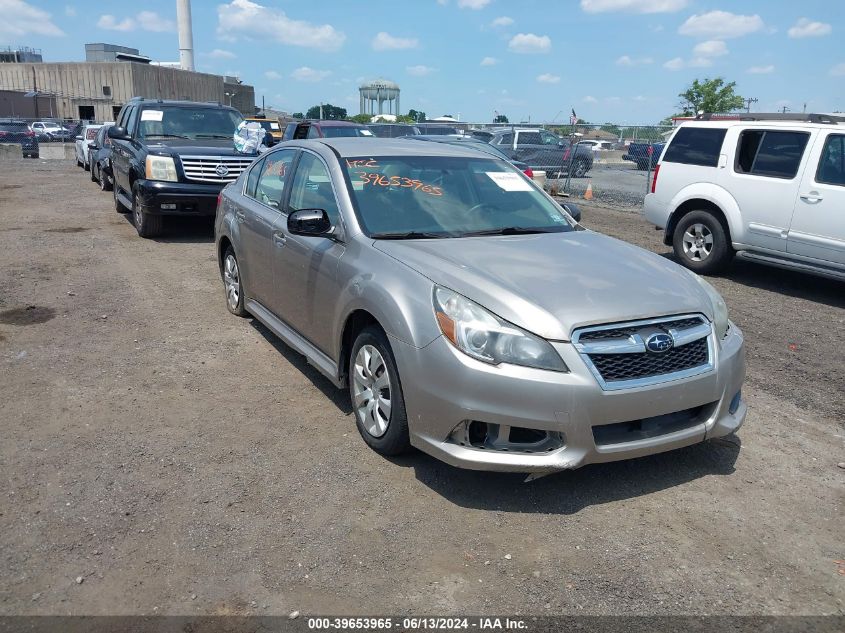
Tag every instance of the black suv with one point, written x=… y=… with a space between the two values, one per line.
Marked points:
x=173 y=158
x=18 y=132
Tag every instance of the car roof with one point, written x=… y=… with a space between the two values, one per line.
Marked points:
x=348 y=147
x=333 y=123
x=726 y=123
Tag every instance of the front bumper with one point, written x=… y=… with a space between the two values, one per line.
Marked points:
x=450 y=388
x=178 y=198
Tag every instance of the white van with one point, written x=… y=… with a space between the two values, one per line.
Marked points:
x=765 y=187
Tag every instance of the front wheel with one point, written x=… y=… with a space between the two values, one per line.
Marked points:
x=701 y=243
x=146 y=224
x=376 y=394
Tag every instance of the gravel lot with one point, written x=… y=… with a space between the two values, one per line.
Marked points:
x=161 y=456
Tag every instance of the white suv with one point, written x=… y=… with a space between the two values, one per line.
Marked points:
x=762 y=187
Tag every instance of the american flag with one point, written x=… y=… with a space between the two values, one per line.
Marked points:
x=574 y=118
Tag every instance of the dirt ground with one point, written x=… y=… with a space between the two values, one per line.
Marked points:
x=161 y=456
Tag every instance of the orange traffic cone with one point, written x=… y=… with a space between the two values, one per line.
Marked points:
x=588 y=194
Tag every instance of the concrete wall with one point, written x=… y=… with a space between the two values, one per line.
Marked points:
x=10 y=151
x=15 y=104
x=57 y=151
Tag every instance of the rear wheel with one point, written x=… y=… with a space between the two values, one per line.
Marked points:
x=233 y=284
x=93 y=170
x=580 y=168
x=701 y=243
x=146 y=224
x=376 y=394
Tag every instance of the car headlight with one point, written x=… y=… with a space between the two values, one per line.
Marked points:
x=486 y=337
x=720 y=308
x=161 y=168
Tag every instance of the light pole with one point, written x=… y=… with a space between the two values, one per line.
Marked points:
x=230 y=95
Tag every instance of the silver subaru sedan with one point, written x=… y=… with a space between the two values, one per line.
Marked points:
x=468 y=314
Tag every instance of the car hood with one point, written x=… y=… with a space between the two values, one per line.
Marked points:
x=552 y=283
x=200 y=147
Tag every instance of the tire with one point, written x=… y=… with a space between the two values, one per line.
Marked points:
x=232 y=283
x=78 y=162
x=580 y=169
x=86 y=166
x=385 y=434
x=146 y=224
x=93 y=168
x=118 y=205
x=701 y=242
x=105 y=185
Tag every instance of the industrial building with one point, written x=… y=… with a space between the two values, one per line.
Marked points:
x=97 y=88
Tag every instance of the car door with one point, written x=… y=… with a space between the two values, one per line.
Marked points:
x=764 y=180
x=305 y=268
x=818 y=223
x=257 y=215
x=121 y=153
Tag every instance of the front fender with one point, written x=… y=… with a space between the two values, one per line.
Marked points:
x=715 y=195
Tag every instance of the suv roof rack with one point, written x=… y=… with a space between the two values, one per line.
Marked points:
x=806 y=117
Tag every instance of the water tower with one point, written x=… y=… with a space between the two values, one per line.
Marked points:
x=375 y=93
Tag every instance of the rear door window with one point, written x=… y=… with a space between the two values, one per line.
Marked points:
x=773 y=153
x=270 y=188
x=506 y=139
x=831 y=169
x=695 y=146
x=529 y=138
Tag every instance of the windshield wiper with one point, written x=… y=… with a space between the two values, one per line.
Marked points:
x=166 y=136
x=213 y=136
x=407 y=235
x=509 y=230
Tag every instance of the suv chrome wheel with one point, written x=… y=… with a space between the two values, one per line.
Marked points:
x=698 y=242
x=371 y=391
x=232 y=280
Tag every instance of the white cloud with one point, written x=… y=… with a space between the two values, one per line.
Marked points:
x=640 y=98
x=70 y=11
x=710 y=48
x=761 y=70
x=19 y=18
x=721 y=25
x=386 y=42
x=219 y=53
x=502 y=21
x=272 y=74
x=489 y=61
x=548 y=78
x=475 y=5
x=152 y=21
x=243 y=18
x=590 y=99
x=304 y=73
x=700 y=62
x=419 y=70
x=627 y=60
x=110 y=23
x=633 y=6
x=808 y=28
x=676 y=63
x=530 y=43
x=838 y=70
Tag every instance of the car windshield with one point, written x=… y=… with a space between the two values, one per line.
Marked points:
x=337 y=131
x=188 y=123
x=408 y=197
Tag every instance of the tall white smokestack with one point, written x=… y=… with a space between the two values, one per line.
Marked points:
x=186 y=34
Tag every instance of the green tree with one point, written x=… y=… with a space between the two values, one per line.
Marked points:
x=361 y=118
x=405 y=118
x=298 y=115
x=500 y=118
x=417 y=115
x=710 y=95
x=331 y=112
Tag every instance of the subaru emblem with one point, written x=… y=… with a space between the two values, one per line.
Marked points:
x=659 y=343
x=221 y=170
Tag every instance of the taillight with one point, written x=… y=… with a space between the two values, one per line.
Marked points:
x=654 y=178
x=527 y=171
x=566 y=154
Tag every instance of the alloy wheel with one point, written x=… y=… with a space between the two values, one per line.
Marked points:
x=371 y=390
x=698 y=242
x=232 y=281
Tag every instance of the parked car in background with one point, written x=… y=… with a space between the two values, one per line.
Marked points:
x=393 y=130
x=437 y=128
x=173 y=158
x=769 y=188
x=468 y=315
x=99 y=152
x=483 y=135
x=598 y=146
x=47 y=129
x=644 y=154
x=543 y=150
x=325 y=129
x=271 y=126
x=83 y=143
x=19 y=133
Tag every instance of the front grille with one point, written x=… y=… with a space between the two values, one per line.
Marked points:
x=618 y=356
x=205 y=168
x=632 y=366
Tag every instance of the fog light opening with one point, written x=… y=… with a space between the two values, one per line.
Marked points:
x=499 y=437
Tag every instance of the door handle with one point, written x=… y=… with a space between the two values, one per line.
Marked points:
x=279 y=239
x=240 y=216
x=812 y=196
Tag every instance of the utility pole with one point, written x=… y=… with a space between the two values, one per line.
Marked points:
x=785 y=109
x=748 y=103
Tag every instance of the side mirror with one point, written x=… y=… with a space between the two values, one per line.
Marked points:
x=310 y=222
x=572 y=210
x=118 y=133
x=79 y=138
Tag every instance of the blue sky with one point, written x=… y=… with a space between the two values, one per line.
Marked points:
x=611 y=60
